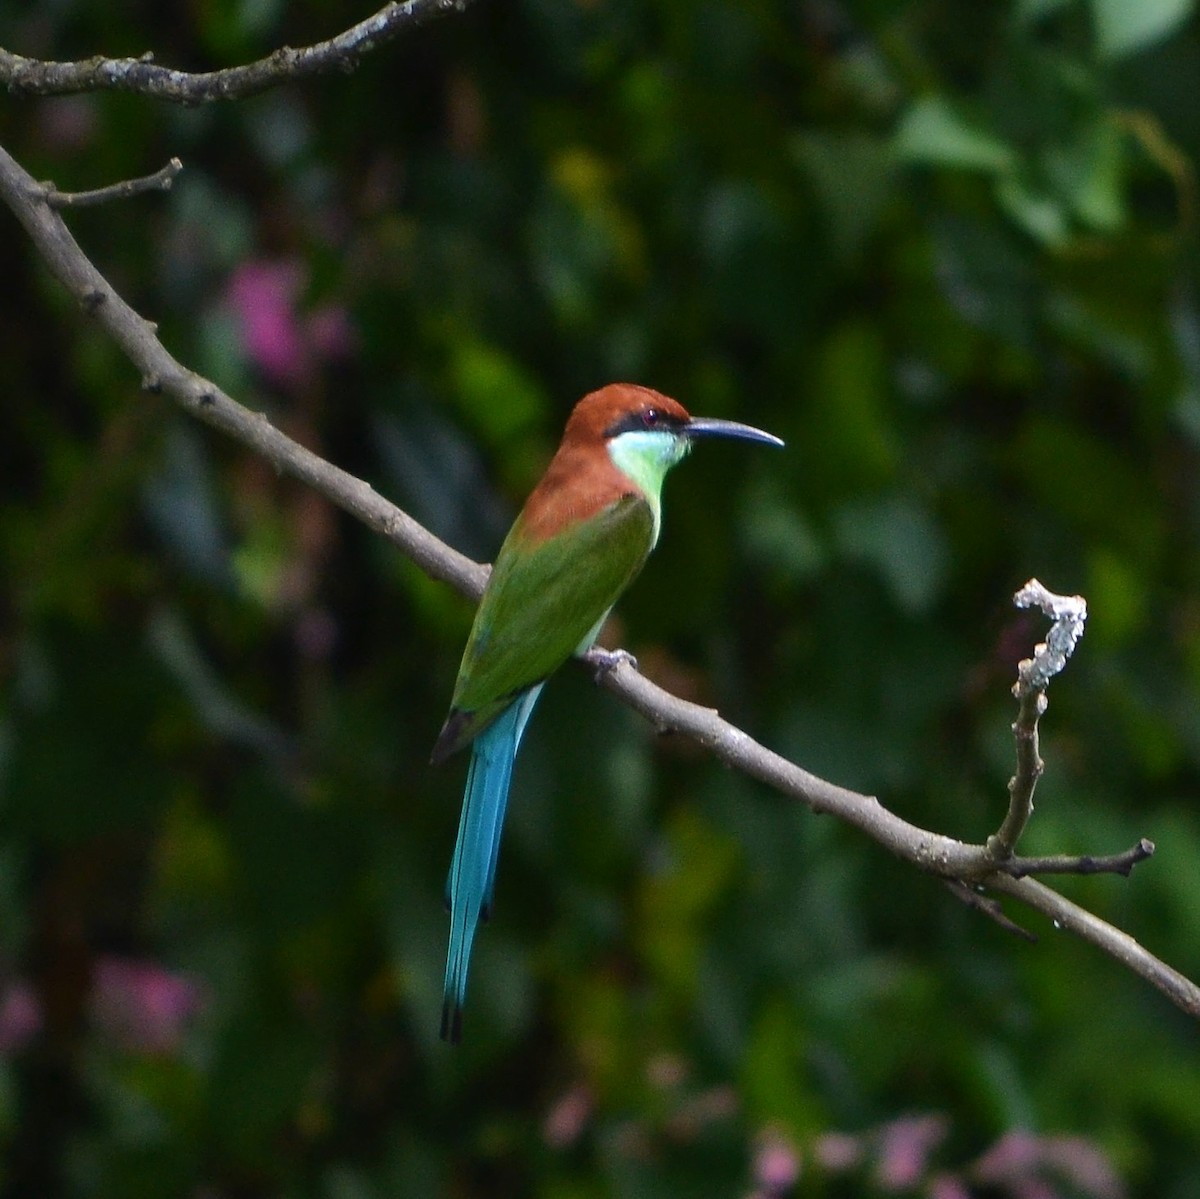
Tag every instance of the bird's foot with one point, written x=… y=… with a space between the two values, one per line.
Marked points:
x=605 y=661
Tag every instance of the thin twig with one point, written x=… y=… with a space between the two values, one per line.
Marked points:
x=32 y=77
x=1021 y=786
x=932 y=852
x=1067 y=613
x=990 y=908
x=1116 y=863
x=161 y=180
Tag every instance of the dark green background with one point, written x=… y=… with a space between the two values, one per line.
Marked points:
x=948 y=252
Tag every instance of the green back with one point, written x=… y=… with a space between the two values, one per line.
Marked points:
x=543 y=601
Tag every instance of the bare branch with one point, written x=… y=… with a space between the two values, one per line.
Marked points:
x=1068 y=613
x=931 y=852
x=161 y=180
x=1116 y=863
x=31 y=77
x=1030 y=707
x=162 y=372
x=1070 y=916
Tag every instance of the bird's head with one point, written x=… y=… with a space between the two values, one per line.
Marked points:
x=646 y=432
x=628 y=418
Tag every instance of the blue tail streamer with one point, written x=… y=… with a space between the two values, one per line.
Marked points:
x=471 y=883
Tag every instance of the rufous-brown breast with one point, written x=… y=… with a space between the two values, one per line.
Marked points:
x=581 y=479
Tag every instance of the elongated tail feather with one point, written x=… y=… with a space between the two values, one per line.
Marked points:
x=471 y=883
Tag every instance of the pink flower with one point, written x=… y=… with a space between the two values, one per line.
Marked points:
x=904 y=1149
x=566 y=1120
x=776 y=1163
x=838 y=1152
x=141 y=1006
x=286 y=346
x=1014 y=1155
x=1021 y=1160
x=20 y=1017
x=948 y=1186
x=1084 y=1165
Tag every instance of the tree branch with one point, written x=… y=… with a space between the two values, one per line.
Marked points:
x=1070 y=916
x=161 y=180
x=1068 y=613
x=1116 y=863
x=31 y=77
x=931 y=852
x=162 y=372
x=928 y=851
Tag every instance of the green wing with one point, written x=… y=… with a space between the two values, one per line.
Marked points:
x=541 y=602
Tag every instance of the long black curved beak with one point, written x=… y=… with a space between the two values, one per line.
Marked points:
x=703 y=426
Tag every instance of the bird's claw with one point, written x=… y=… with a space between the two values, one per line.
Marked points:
x=606 y=661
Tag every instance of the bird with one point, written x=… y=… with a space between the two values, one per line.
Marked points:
x=580 y=540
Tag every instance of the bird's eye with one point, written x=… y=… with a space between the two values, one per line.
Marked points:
x=650 y=417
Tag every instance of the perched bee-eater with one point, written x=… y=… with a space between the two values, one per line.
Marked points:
x=580 y=540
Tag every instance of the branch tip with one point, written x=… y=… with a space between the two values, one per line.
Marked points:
x=143 y=76
x=1067 y=614
x=160 y=180
x=1116 y=863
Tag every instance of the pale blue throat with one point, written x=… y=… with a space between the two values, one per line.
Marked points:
x=644 y=456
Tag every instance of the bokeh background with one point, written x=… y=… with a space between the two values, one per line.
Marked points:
x=948 y=251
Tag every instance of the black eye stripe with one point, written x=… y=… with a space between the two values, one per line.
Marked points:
x=652 y=419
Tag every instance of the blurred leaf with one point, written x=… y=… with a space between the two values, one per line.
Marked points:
x=222 y=712
x=778 y=538
x=774 y=1074
x=1117 y=598
x=261 y=562
x=1041 y=215
x=265 y=1067
x=1035 y=10
x=1124 y=28
x=181 y=502
x=499 y=396
x=1095 y=182
x=700 y=862
x=756 y=268
x=852 y=442
x=937 y=132
x=853 y=176
x=904 y=544
x=441 y=479
x=1086 y=482
x=987 y=278
x=111 y=783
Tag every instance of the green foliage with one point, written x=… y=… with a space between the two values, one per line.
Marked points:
x=948 y=252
